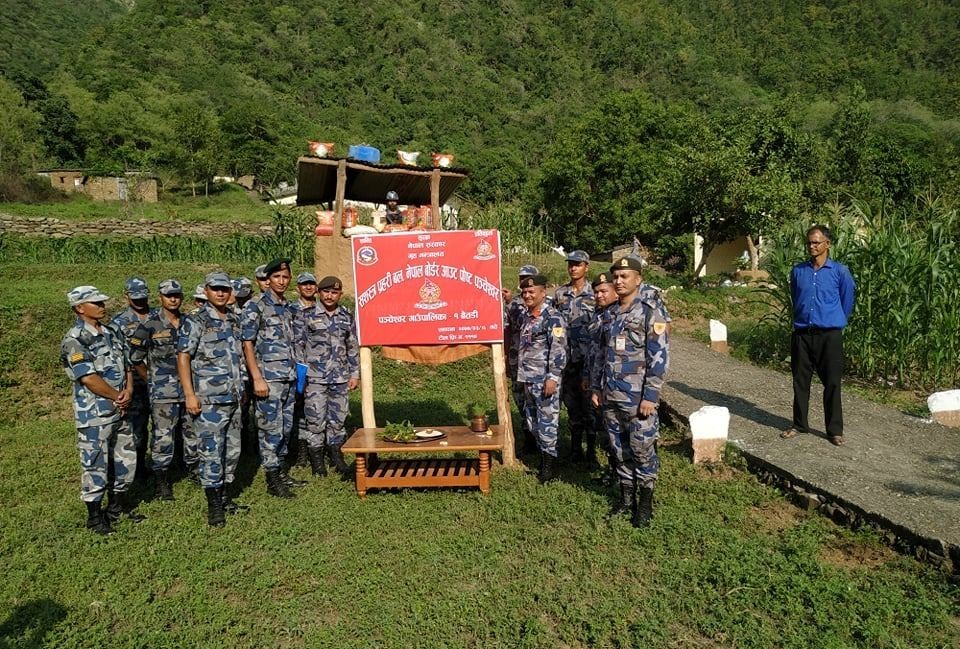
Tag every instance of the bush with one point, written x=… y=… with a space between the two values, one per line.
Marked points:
x=27 y=189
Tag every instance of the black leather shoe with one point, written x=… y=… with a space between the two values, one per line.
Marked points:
x=96 y=521
x=119 y=505
x=276 y=486
x=161 y=488
x=317 y=461
x=624 y=506
x=215 y=513
x=643 y=508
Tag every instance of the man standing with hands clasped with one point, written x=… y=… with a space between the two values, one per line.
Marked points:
x=822 y=291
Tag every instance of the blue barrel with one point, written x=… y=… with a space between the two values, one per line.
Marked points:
x=364 y=153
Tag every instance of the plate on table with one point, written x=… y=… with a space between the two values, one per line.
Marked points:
x=427 y=434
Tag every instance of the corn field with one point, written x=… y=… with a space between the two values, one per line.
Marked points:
x=292 y=237
x=905 y=328
x=520 y=234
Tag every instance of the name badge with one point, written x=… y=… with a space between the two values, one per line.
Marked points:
x=620 y=343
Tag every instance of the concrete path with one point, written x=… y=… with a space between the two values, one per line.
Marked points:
x=897 y=471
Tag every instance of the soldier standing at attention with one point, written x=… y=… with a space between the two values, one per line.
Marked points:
x=210 y=366
x=155 y=343
x=327 y=344
x=604 y=298
x=306 y=299
x=94 y=356
x=137 y=311
x=574 y=301
x=634 y=367
x=263 y=280
x=541 y=358
x=513 y=311
x=199 y=299
x=242 y=291
x=267 y=332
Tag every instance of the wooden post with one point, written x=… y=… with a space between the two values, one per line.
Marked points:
x=435 y=198
x=366 y=388
x=503 y=402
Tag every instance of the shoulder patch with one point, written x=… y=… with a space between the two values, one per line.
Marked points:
x=558 y=332
x=659 y=328
x=76 y=358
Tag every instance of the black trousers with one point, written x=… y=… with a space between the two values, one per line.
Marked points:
x=819 y=350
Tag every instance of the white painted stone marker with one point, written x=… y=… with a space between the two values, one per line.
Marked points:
x=718 y=337
x=709 y=427
x=945 y=407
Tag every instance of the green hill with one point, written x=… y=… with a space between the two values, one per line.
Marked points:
x=200 y=87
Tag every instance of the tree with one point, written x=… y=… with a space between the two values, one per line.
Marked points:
x=197 y=142
x=20 y=148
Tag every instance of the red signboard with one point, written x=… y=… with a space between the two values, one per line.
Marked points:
x=428 y=288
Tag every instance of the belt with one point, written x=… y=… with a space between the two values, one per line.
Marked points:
x=815 y=330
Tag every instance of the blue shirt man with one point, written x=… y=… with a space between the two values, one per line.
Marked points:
x=823 y=293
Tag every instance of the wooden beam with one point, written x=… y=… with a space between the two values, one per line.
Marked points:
x=503 y=402
x=366 y=387
x=435 y=199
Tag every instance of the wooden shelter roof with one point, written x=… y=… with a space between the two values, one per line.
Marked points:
x=317 y=181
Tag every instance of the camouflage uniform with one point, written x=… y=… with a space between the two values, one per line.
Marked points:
x=593 y=360
x=268 y=324
x=127 y=321
x=541 y=355
x=327 y=344
x=108 y=455
x=216 y=365
x=155 y=341
x=514 y=311
x=576 y=308
x=633 y=369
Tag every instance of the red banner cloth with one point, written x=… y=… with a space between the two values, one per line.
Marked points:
x=428 y=288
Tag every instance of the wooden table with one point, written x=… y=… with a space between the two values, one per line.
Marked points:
x=373 y=472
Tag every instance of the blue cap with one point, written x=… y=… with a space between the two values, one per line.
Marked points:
x=218 y=279
x=170 y=287
x=136 y=288
x=261 y=272
x=578 y=257
x=84 y=294
x=242 y=287
x=306 y=278
x=528 y=271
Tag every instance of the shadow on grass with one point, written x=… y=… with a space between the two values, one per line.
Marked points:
x=29 y=623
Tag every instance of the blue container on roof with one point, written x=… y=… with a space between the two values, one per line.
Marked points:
x=364 y=153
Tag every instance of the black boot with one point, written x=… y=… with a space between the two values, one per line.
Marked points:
x=119 y=505
x=546 y=468
x=289 y=480
x=162 y=489
x=339 y=464
x=226 y=497
x=276 y=486
x=193 y=472
x=215 y=515
x=302 y=453
x=625 y=505
x=96 y=521
x=576 y=447
x=317 y=463
x=643 y=507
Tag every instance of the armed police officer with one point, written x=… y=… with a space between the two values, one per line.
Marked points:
x=267 y=331
x=327 y=344
x=393 y=215
x=629 y=384
x=513 y=310
x=210 y=367
x=306 y=299
x=153 y=352
x=138 y=310
x=574 y=301
x=604 y=298
x=541 y=358
x=94 y=356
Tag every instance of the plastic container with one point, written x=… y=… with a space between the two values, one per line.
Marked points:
x=364 y=153
x=425 y=218
x=324 y=223
x=349 y=218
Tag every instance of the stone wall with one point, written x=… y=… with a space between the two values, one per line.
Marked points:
x=58 y=229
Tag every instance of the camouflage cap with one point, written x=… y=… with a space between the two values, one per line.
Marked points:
x=136 y=288
x=536 y=280
x=306 y=278
x=218 y=279
x=630 y=262
x=578 y=257
x=261 y=272
x=276 y=265
x=170 y=287
x=330 y=282
x=199 y=293
x=84 y=294
x=242 y=287
x=602 y=278
x=528 y=271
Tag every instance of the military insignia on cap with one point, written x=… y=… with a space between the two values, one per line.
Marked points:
x=558 y=332
x=76 y=358
x=624 y=263
x=659 y=328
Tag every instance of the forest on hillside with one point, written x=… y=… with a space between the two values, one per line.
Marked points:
x=607 y=118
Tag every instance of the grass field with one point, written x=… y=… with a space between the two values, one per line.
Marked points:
x=228 y=204
x=727 y=562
